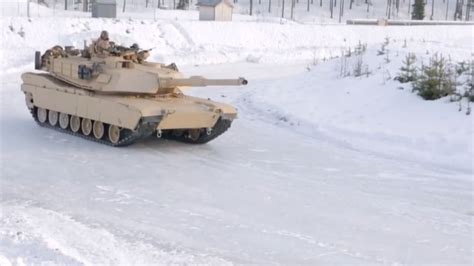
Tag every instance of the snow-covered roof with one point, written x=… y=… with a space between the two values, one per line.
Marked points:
x=213 y=3
x=109 y=2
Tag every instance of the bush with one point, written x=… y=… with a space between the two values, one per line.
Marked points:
x=434 y=82
x=408 y=70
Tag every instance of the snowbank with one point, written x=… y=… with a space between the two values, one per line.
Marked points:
x=372 y=113
x=194 y=42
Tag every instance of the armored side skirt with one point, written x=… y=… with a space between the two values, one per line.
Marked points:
x=125 y=111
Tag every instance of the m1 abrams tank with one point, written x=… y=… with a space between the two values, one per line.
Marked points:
x=117 y=100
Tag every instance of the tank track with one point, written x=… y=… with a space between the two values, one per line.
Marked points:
x=183 y=135
x=128 y=136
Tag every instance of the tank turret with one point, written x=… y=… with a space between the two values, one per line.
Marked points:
x=120 y=73
x=118 y=97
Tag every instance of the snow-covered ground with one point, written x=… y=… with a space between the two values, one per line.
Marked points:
x=318 y=169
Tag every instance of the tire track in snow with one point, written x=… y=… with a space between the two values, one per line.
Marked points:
x=86 y=244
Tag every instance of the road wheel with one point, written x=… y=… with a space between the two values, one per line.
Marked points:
x=42 y=114
x=86 y=126
x=75 y=123
x=53 y=118
x=114 y=134
x=63 y=120
x=98 y=130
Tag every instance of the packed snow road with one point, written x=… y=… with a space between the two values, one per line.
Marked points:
x=261 y=193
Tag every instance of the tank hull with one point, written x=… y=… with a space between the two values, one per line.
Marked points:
x=175 y=116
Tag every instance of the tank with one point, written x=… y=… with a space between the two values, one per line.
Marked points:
x=120 y=98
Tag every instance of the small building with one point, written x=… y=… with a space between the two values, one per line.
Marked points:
x=104 y=9
x=220 y=10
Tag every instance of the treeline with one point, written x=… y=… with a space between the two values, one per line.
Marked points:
x=335 y=9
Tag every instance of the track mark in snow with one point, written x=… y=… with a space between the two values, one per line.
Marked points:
x=110 y=194
x=333 y=249
x=258 y=150
x=86 y=244
x=331 y=170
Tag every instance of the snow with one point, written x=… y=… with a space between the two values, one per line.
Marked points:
x=318 y=169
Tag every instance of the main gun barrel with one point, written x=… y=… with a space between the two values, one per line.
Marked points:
x=198 y=81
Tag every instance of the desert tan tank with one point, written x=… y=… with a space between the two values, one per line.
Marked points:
x=117 y=99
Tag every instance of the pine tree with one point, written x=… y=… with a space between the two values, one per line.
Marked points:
x=449 y=81
x=382 y=50
x=470 y=91
x=433 y=83
x=183 y=4
x=469 y=86
x=418 y=12
x=408 y=71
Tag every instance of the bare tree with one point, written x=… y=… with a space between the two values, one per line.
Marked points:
x=350 y=4
x=389 y=8
x=342 y=4
x=307 y=7
x=251 y=7
x=468 y=10
x=65 y=4
x=320 y=3
x=85 y=5
x=341 y=10
x=124 y=4
x=447 y=7
x=292 y=9
x=432 y=9
x=283 y=9
x=458 y=10
x=409 y=7
x=331 y=6
x=269 y=6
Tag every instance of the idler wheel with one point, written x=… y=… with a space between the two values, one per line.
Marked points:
x=114 y=134
x=86 y=126
x=98 y=130
x=75 y=123
x=42 y=114
x=63 y=120
x=53 y=118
